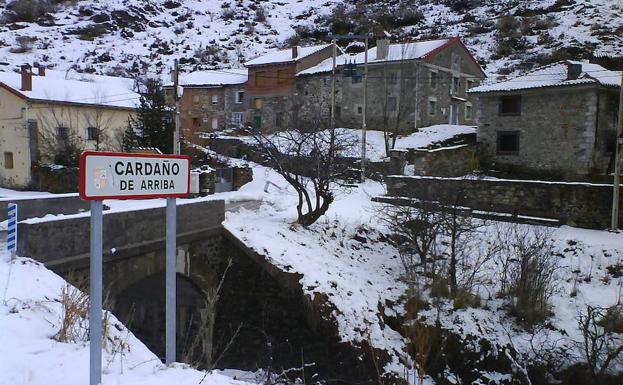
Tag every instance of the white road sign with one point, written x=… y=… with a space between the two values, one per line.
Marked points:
x=108 y=175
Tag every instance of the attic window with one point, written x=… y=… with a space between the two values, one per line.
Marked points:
x=283 y=77
x=510 y=105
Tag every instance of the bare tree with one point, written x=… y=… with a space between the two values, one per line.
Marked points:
x=308 y=156
x=416 y=228
x=602 y=341
x=397 y=100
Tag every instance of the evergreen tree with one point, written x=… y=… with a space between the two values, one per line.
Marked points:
x=153 y=125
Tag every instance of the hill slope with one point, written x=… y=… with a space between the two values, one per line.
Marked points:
x=129 y=36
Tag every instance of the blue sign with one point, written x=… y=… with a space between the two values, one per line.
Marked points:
x=11 y=239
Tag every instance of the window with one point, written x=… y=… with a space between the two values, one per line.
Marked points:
x=258 y=103
x=359 y=109
x=392 y=78
x=237 y=118
x=239 y=97
x=8 y=160
x=283 y=77
x=508 y=142
x=392 y=104
x=469 y=110
x=62 y=133
x=92 y=133
x=434 y=79
x=510 y=105
x=432 y=106
x=215 y=123
x=278 y=119
x=195 y=122
x=214 y=100
x=456 y=85
x=195 y=98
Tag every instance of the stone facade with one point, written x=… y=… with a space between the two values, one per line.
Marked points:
x=431 y=89
x=205 y=109
x=576 y=204
x=566 y=132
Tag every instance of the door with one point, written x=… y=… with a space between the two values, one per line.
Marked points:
x=223 y=180
x=454 y=113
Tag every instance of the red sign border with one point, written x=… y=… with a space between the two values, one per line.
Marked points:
x=82 y=177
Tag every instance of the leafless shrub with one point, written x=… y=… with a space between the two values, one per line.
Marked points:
x=260 y=14
x=74 y=313
x=416 y=229
x=602 y=344
x=24 y=44
x=528 y=272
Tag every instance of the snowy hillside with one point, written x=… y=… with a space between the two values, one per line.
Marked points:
x=30 y=318
x=121 y=36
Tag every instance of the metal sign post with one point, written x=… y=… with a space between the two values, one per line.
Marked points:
x=106 y=175
x=171 y=270
x=95 y=288
x=11 y=240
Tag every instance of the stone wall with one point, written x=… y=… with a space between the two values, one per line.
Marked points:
x=41 y=206
x=124 y=232
x=557 y=132
x=445 y=161
x=573 y=203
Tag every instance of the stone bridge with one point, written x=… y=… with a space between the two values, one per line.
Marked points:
x=261 y=308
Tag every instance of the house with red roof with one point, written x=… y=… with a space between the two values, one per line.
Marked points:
x=409 y=85
x=271 y=84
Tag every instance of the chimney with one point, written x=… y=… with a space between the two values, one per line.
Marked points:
x=26 y=78
x=382 y=48
x=40 y=69
x=295 y=51
x=574 y=70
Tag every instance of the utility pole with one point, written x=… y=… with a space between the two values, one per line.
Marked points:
x=176 y=132
x=333 y=43
x=364 y=125
x=417 y=84
x=617 y=163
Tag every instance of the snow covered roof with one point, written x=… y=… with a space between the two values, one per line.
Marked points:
x=395 y=52
x=214 y=77
x=72 y=87
x=556 y=75
x=285 y=55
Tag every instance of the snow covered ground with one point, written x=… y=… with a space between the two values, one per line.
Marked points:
x=30 y=316
x=345 y=257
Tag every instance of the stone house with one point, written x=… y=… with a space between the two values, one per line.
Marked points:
x=557 y=121
x=48 y=117
x=410 y=85
x=211 y=101
x=271 y=85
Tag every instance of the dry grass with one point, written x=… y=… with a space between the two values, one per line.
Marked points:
x=74 y=312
